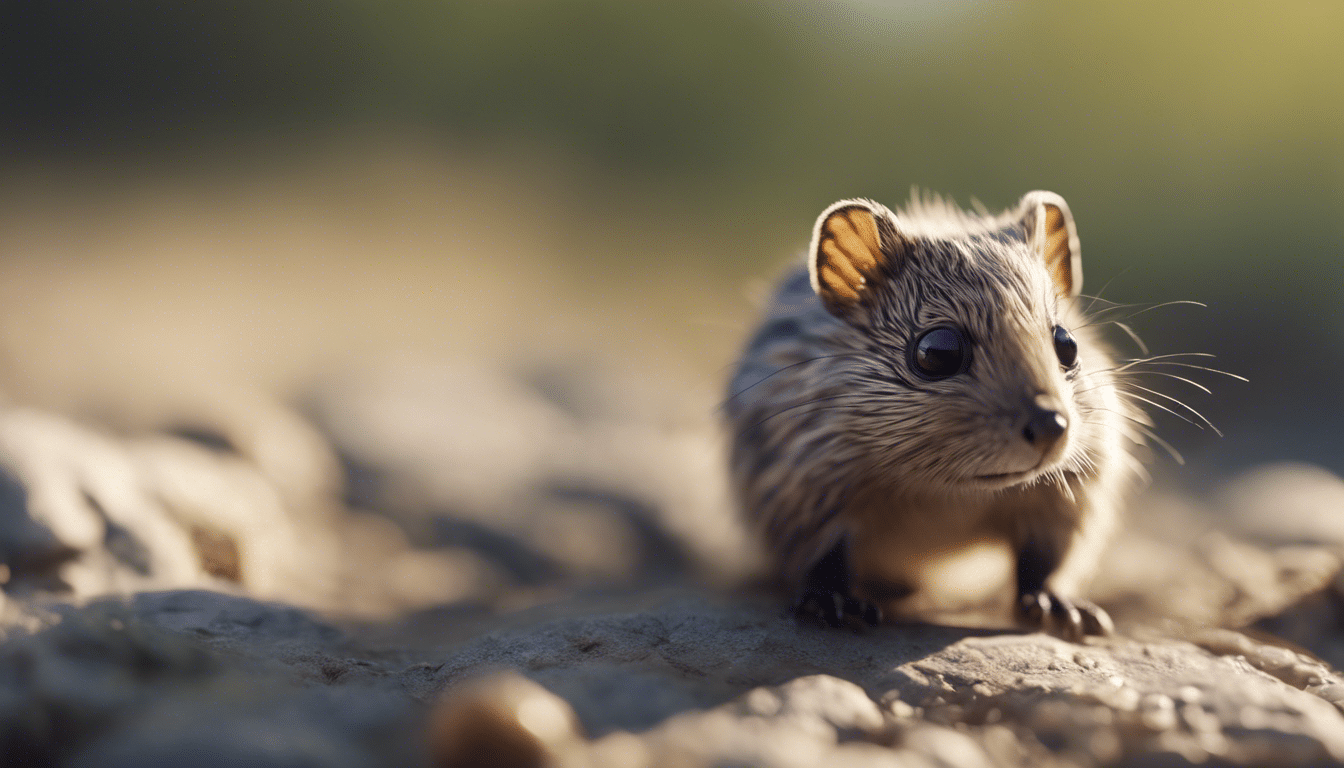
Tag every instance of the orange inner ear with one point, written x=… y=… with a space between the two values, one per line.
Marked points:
x=1055 y=250
x=849 y=250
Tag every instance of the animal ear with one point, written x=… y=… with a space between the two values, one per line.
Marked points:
x=847 y=252
x=1052 y=234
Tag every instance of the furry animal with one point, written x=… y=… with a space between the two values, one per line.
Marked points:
x=929 y=382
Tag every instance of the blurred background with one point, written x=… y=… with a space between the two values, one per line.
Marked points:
x=424 y=310
x=208 y=198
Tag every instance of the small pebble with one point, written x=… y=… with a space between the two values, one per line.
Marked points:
x=502 y=720
x=762 y=702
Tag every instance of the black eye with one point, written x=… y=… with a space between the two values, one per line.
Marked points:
x=1065 y=347
x=940 y=353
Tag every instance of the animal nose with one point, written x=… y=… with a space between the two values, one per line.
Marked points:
x=1044 y=423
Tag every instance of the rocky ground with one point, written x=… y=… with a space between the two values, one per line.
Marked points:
x=463 y=564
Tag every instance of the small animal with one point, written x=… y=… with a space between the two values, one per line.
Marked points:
x=929 y=382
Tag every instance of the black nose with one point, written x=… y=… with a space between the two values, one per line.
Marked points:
x=1044 y=423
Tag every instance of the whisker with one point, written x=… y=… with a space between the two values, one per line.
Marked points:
x=1142 y=418
x=1094 y=299
x=1123 y=429
x=1101 y=318
x=1094 y=387
x=1130 y=362
x=1085 y=460
x=1177 y=302
x=1171 y=449
x=1151 y=435
x=1151 y=307
x=1191 y=382
x=803 y=405
x=725 y=403
x=1197 y=414
x=1116 y=306
x=1097 y=298
x=1137 y=467
x=1206 y=368
x=1154 y=361
x=1142 y=347
x=1058 y=479
x=1175 y=354
x=1189 y=421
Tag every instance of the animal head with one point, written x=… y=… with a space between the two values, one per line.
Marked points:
x=977 y=372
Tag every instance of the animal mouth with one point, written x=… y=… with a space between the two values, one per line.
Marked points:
x=1047 y=462
x=1006 y=478
x=1006 y=475
x=1012 y=478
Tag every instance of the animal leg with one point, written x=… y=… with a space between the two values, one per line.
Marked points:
x=1041 y=607
x=827 y=595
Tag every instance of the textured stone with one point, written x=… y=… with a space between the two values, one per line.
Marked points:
x=167 y=602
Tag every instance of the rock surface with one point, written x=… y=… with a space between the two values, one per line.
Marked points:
x=668 y=678
x=560 y=592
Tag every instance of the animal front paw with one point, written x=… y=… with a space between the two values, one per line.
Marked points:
x=1069 y=619
x=836 y=609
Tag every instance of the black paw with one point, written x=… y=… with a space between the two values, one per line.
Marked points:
x=833 y=609
x=1069 y=619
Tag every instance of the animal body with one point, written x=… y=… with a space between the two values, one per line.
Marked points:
x=929 y=382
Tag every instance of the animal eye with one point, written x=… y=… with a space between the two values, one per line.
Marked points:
x=1065 y=347
x=940 y=353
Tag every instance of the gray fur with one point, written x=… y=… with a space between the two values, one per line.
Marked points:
x=834 y=436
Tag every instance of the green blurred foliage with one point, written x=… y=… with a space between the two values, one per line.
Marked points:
x=1201 y=145
x=631 y=84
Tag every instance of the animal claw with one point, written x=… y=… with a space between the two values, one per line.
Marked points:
x=1070 y=619
x=835 y=609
